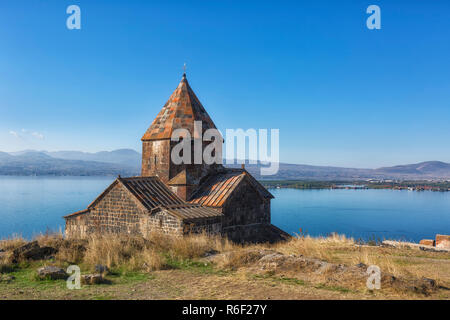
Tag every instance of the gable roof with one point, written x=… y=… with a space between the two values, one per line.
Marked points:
x=153 y=195
x=218 y=188
x=151 y=192
x=76 y=213
x=180 y=111
x=191 y=211
x=148 y=191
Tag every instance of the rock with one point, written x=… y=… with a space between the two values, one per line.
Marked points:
x=361 y=266
x=430 y=283
x=96 y=278
x=6 y=278
x=210 y=253
x=51 y=272
x=32 y=251
x=442 y=241
x=18 y=253
x=41 y=253
x=427 y=242
x=423 y=286
x=99 y=268
x=397 y=244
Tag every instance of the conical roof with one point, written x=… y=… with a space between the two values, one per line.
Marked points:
x=180 y=111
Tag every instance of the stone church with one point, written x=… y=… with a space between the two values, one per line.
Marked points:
x=179 y=199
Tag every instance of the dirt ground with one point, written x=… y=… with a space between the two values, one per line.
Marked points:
x=184 y=284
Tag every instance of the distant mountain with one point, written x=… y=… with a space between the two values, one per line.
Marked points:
x=4 y=156
x=40 y=163
x=121 y=156
x=429 y=168
x=424 y=170
x=288 y=171
x=127 y=162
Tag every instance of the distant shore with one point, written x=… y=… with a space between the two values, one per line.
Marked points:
x=357 y=185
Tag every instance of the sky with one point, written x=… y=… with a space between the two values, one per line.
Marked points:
x=339 y=93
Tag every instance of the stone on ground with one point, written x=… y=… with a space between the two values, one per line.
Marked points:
x=96 y=278
x=32 y=251
x=51 y=272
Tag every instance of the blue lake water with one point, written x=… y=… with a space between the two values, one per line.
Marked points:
x=30 y=205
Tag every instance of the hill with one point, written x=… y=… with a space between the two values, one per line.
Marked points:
x=128 y=162
x=39 y=163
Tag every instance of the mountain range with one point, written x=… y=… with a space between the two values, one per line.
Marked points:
x=70 y=163
x=127 y=162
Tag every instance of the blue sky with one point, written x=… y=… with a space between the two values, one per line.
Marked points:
x=340 y=94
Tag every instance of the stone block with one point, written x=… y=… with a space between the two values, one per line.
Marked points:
x=427 y=242
x=442 y=241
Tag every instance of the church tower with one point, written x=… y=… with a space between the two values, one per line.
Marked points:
x=180 y=112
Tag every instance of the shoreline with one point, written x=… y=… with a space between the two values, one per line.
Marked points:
x=357 y=185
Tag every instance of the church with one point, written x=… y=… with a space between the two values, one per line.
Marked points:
x=179 y=199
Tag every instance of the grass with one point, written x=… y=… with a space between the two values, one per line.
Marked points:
x=333 y=288
x=134 y=260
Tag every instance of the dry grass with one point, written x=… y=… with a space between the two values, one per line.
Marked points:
x=13 y=242
x=112 y=250
x=196 y=246
x=319 y=248
x=137 y=253
x=50 y=239
x=239 y=258
x=72 y=251
x=161 y=252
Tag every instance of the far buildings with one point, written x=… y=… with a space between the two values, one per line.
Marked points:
x=179 y=199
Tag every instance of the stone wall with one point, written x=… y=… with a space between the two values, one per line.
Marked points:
x=156 y=159
x=117 y=212
x=245 y=206
x=77 y=226
x=207 y=225
x=161 y=222
x=255 y=233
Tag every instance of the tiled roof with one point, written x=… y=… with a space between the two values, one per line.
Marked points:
x=77 y=213
x=189 y=211
x=216 y=189
x=151 y=192
x=180 y=111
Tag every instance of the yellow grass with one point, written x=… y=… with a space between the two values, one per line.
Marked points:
x=12 y=242
x=160 y=252
x=320 y=248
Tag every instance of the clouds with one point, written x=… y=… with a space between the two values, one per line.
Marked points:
x=38 y=135
x=25 y=134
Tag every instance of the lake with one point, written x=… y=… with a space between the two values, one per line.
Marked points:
x=30 y=205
